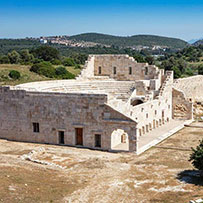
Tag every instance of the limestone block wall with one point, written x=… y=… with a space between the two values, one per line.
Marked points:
x=191 y=86
x=150 y=114
x=182 y=108
x=88 y=70
x=56 y=112
x=118 y=67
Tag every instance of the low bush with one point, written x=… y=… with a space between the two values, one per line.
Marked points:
x=61 y=70
x=14 y=74
x=77 y=66
x=62 y=73
x=68 y=62
x=44 y=68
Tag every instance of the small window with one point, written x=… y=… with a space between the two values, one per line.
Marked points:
x=146 y=70
x=114 y=70
x=35 y=127
x=130 y=70
x=155 y=112
x=99 y=70
x=147 y=115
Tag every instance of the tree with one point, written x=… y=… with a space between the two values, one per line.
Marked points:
x=26 y=56
x=150 y=60
x=46 y=53
x=14 y=57
x=200 y=69
x=177 y=72
x=197 y=157
x=139 y=58
x=4 y=60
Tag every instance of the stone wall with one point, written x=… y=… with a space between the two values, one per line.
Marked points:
x=182 y=108
x=118 y=67
x=191 y=86
x=56 y=112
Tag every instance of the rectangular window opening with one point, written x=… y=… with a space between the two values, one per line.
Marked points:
x=114 y=70
x=35 y=127
x=130 y=70
x=100 y=70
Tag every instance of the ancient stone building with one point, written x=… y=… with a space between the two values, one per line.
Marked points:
x=114 y=104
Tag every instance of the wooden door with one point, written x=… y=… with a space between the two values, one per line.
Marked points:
x=79 y=136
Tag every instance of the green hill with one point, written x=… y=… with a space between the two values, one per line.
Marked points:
x=7 y=45
x=143 y=40
x=199 y=42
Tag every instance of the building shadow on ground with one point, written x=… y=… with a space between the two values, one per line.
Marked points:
x=190 y=177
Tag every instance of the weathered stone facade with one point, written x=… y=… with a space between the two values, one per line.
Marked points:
x=110 y=106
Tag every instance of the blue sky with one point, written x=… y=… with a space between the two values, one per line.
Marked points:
x=34 y=18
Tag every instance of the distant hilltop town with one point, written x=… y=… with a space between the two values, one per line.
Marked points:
x=64 y=40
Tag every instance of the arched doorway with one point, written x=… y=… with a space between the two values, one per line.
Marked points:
x=119 y=140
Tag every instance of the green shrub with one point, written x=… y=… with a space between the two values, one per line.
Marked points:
x=68 y=62
x=189 y=72
x=197 y=157
x=56 y=62
x=61 y=70
x=4 y=60
x=77 y=66
x=200 y=69
x=14 y=74
x=62 y=73
x=68 y=75
x=44 y=68
x=177 y=72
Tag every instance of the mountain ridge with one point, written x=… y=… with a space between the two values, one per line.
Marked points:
x=198 y=42
x=130 y=41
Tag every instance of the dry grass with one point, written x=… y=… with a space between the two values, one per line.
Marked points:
x=94 y=176
x=26 y=75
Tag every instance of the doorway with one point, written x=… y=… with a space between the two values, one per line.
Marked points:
x=61 y=137
x=79 y=136
x=97 y=140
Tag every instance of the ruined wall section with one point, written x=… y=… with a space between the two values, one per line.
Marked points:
x=153 y=113
x=182 y=108
x=123 y=67
x=192 y=87
x=56 y=112
x=88 y=70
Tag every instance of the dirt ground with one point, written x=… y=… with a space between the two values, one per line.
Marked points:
x=46 y=173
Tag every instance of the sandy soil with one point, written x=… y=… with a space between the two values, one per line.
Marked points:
x=46 y=173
